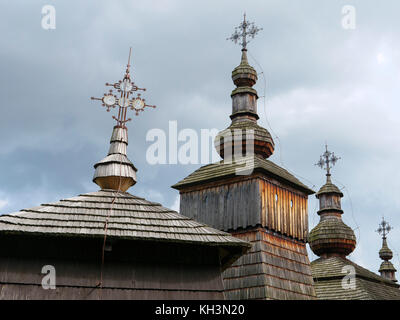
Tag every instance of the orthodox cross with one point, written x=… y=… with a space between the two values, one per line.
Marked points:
x=327 y=161
x=244 y=30
x=384 y=228
x=125 y=88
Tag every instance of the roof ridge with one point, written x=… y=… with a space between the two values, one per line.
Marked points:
x=17 y=214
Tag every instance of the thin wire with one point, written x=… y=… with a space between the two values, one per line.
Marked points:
x=395 y=251
x=351 y=207
x=279 y=140
x=106 y=226
x=270 y=127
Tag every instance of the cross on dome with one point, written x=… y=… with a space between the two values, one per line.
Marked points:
x=327 y=160
x=384 y=228
x=124 y=88
x=245 y=31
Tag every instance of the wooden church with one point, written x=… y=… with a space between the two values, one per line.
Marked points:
x=241 y=232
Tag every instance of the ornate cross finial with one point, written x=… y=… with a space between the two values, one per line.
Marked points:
x=384 y=228
x=327 y=161
x=242 y=31
x=125 y=88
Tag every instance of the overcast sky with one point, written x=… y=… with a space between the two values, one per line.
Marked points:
x=323 y=83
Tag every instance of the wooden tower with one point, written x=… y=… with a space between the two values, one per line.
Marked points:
x=335 y=276
x=253 y=199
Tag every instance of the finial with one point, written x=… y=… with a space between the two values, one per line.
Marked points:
x=387 y=270
x=384 y=228
x=125 y=88
x=326 y=161
x=244 y=30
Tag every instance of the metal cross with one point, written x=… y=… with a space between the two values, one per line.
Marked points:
x=242 y=31
x=327 y=161
x=384 y=228
x=125 y=88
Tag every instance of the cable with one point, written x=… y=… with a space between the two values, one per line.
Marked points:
x=106 y=226
x=271 y=129
x=351 y=208
x=278 y=139
x=395 y=251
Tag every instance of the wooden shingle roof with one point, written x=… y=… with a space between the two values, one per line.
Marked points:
x=225 y=168
x=328 y=274
x=131 y=217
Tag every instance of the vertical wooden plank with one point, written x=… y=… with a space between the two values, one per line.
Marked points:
x=300 y=234
x=273 y=207
x=295 y=214
x=289 y=196
x=283 y=206
x=298 y=218
x=269 y=204
x=306 y=217
x=283 y=209
x=281 y=200
x=302 y=218
x=290 y=213
x=263 y=204
x=278 y=217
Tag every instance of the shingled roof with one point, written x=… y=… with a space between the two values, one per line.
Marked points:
x=328 y=274
x=129 y=217
x=231 y=168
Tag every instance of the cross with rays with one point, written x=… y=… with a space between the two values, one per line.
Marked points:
x=327 y=161
x=384 y=228
x=244 y=30
x=125 y=88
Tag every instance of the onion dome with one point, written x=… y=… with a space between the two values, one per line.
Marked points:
x=116 y=171
x=387 y=270
x=385 y=253
x=331 y=236
x=244 y=76
x=244 y=135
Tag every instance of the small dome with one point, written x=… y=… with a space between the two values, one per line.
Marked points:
x=116 y=171
x=329 y=187
x=332 y=235
x=385 y=253
x=235 y=135
x=244 y=75
x=387 y=266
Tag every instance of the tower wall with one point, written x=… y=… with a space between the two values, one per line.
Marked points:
x=273 y=217
x=244 y=202
x=276 y=268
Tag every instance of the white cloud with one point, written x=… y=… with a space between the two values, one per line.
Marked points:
x=175 y=205
x=3 y=203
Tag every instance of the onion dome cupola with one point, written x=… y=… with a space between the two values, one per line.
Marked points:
x=244 y=135
x=387 y=270
x=116 y=171
x=331 y=237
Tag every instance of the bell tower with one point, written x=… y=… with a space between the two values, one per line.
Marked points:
x=253 y=198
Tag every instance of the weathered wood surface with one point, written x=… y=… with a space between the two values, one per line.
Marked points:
x=129 y=217
x=283 y=210
x=225 y=207
x=328 y=279
x=132 y=270
x=245 y=202
x=275 y=268
x=228 y=169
